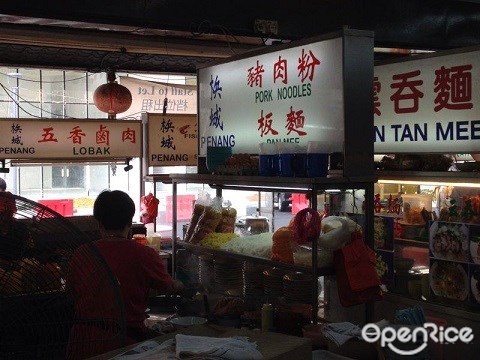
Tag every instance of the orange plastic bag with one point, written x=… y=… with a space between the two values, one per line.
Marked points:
x=282 y=245
x=357 y=279
x=148 y=208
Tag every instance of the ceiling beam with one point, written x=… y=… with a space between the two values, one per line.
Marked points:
x=217 y=46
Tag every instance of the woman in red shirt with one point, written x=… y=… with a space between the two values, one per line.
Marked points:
x=110 y=281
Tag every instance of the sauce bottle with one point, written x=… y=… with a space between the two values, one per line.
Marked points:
x=267 y=317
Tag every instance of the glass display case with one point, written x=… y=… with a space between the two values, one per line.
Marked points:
x=430 y=222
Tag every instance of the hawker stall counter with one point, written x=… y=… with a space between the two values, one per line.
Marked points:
x=271 y=184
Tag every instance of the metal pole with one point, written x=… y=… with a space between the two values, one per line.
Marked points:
x=174 y=226
x=313 y=205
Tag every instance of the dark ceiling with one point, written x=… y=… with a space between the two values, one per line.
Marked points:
x=177 y=36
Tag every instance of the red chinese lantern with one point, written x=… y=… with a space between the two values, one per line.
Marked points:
x=112 y=98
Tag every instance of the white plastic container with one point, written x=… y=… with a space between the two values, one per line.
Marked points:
x=417 y=201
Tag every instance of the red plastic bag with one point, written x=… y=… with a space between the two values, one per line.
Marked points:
x=148 y=208
x=357 y=279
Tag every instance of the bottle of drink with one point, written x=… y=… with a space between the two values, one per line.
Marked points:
x=267 y=317
x=141 y=239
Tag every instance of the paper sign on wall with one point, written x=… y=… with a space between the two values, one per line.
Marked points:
x=149 y=96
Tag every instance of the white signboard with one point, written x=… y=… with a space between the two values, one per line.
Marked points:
x=150 y=96
x=172 y=140
x=70 y=139
x=430 y=104
x=293 y=95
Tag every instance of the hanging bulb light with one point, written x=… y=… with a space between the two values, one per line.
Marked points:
x=112 y=98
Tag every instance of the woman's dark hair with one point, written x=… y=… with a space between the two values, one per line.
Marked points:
x=113 y=209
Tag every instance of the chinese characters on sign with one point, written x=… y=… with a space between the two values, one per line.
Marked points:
x=70 y=139
x=428 y=104
x=293 y=95
x=452 y=88
x=172 y=140
x=392 y=207
x=294 y=120
x=271 y=80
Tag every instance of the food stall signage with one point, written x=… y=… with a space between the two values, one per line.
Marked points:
x=172 y=139
x=67 y=139
x=293 y=95
x=428 y=104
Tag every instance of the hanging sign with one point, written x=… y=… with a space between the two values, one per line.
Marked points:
x=172 y=140
x=70 y=139
x=293 y=95
x=149 y=96
x=428 y=104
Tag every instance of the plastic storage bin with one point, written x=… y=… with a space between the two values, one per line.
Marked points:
x=62 y=206
x=412 y=206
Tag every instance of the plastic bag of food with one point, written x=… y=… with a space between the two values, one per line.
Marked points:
x=202 y=201
x=208 y=220
x=259 y=245
x=227 y=223
x=303 y=257
x=216 y=240
x=337 y=231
